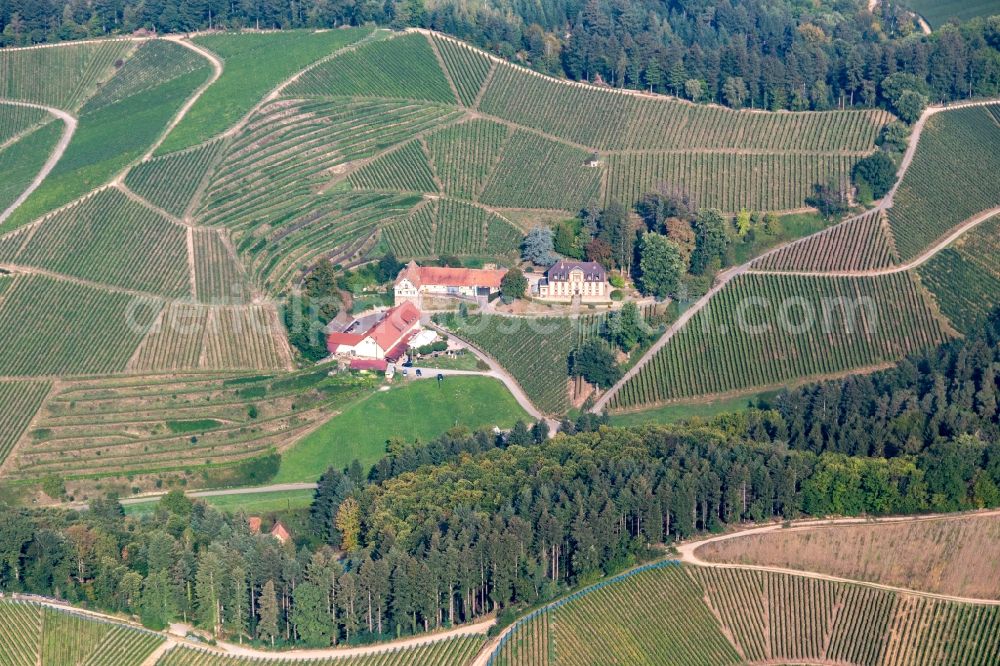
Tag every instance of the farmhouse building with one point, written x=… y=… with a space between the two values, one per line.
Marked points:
x=380 y=336
x=280 y=533
x=569 y=280
x=414 y=282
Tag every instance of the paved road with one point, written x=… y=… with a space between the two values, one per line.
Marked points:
x=54 y=158
x=497 y=371
x=886 y=202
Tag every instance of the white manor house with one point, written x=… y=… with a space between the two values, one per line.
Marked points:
x=568 y=280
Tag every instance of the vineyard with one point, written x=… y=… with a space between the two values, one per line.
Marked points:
x=764 y=330
x=534 y=172
x=464 y=155
x=584 y=632
x=16 y=120
x=610 y=120
x=150 y=424
x=534 y=350
x=21 y=161
x=19 y=401
x=449 y=226
x=254 y=64
x=952 y=555
x=468 y=67
x=106 y=141
x=702 y=615
x=860 y=244
x=403 y=67
x=405 y=169
x=219 y=277
x=444 y=652
x=194 y=337
x=62 y=76
x=292 y=149
x=31 y=634
x=111 y=239
x=726 y=180
x=54 y=327
x=965 y=145
x=152 y=63
x=170 y=182
x=965 y=277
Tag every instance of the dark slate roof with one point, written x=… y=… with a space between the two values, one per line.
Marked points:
x=592 y=271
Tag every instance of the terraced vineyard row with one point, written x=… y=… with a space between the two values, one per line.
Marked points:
x=151 y=64
x=763 y=330
x=16 y=119
x=965 y=277
x=609 y=120
x=861 y=244
x=952 y=177
x=448 y=226
x=171 y=181
x=464 y=155
x=194 y=337
x=445 y=652
x=405 y=170
x=54 y=327
x=467 y=66
x=110 y=238
x=402 y=67
x=62 y=76
x=32 y=634
x=337 y=228
x=145 y=424
x=19 y=401
x=270 y=175
x=534 y=172
x=725 y=180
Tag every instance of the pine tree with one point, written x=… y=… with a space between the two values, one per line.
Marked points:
x=267 y=613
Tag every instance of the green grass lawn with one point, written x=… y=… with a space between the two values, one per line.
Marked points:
x=250 y=503
x=939 y=12
x=253 y=65
x=793 y=227
x=410 y=410
x=682 y=411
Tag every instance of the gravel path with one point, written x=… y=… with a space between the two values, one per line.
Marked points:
x=54 y=158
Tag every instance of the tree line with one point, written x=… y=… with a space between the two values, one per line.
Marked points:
x=773 y=54
x=472 y=523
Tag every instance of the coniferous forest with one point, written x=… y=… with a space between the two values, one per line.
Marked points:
x=775 y=54
x=446 y=531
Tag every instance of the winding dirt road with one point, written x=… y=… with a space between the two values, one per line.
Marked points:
x=54 y=157
x=886 y=202
x=179 y=116
x=687 y=552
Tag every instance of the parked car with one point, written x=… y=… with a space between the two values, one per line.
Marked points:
x=406 y=372
x=440 y=377
x=419 y=373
